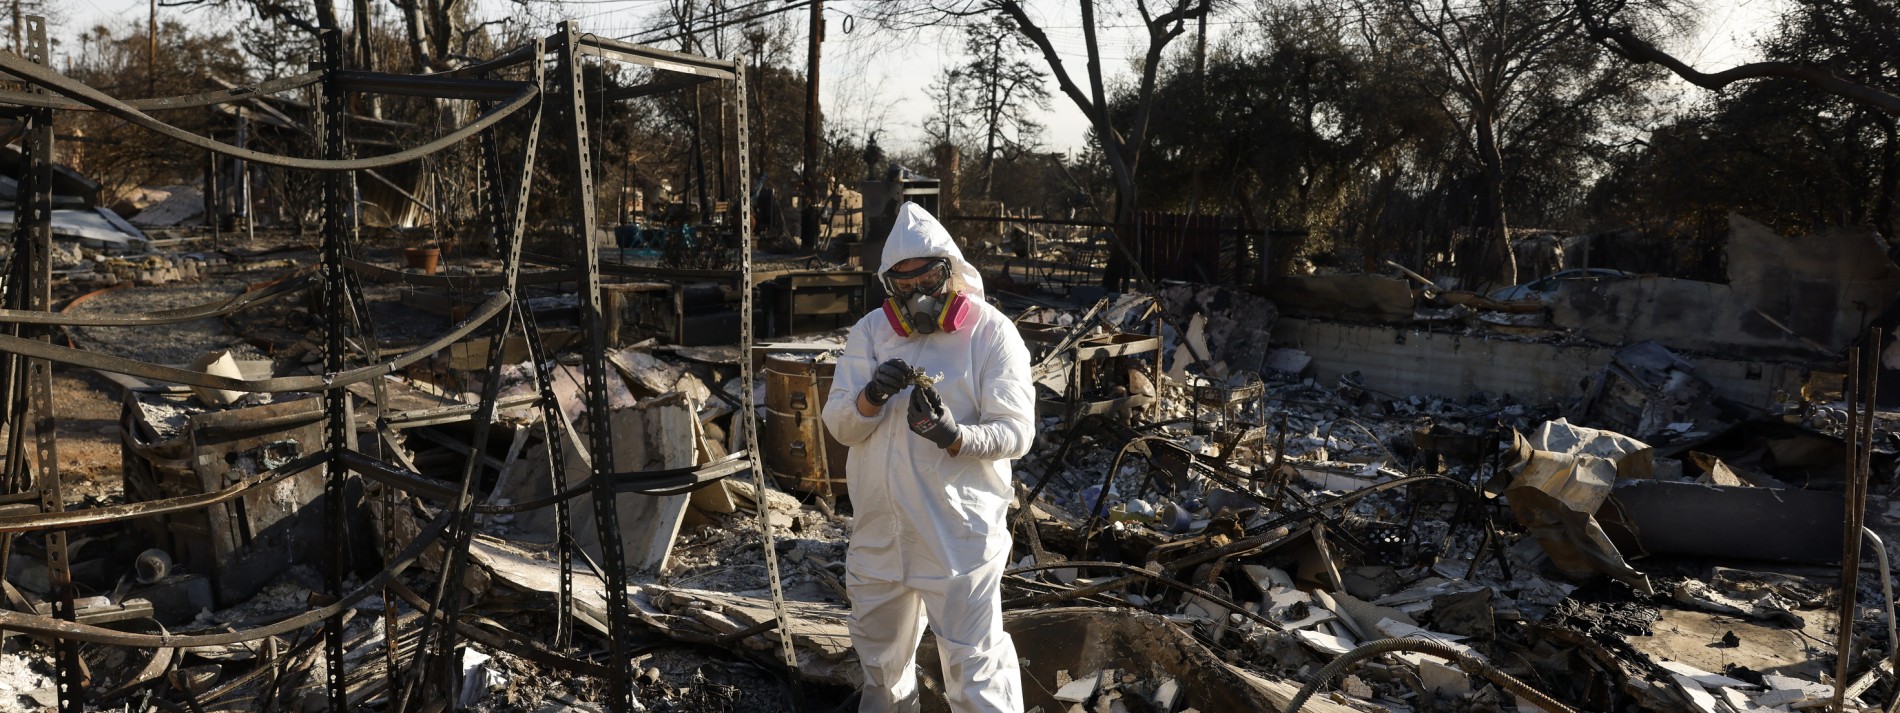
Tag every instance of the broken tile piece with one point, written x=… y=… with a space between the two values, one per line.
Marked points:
x=1809 y=689
x=1704 y=678
x=1327 y=643
x=1698 y=697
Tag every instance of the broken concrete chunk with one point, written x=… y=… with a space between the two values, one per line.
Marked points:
x=218 y=363
x=1443 y=680
x=1356 y=687
x=1370 y=582
x=1291 y=362
x=1167 y=694
x=1777 y=697
x=1738 y=701
x=1786 y=689
x=1079 y=690
x=1698 y=697
x=1465 y=614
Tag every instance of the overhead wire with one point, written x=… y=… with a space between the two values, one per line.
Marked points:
x=716 y=25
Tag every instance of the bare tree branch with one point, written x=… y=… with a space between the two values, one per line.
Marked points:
x=1625 y=43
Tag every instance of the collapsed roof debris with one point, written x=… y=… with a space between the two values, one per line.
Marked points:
x=560 y=470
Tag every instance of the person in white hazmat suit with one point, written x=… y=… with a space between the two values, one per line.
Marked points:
x=930 y=474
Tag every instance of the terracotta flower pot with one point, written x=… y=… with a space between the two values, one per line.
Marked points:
x=422 y=259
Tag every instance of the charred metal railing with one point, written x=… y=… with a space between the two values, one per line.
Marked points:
x=432 y=671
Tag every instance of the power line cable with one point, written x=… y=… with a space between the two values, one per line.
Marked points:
x=721 y=24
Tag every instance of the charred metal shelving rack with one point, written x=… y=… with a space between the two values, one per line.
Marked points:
x=431 y=674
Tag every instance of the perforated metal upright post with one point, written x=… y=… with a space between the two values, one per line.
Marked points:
x=508 y=208
x=510 y=237
x=553 y=429
x=747 y=414
x=599 y=425
x=337 y=226
x=35 y=245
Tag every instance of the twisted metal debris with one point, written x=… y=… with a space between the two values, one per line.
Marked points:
x=350 y=357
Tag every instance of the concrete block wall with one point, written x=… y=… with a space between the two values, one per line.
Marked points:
x=1403 y=361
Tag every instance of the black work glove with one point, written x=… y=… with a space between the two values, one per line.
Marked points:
x=891 y=377
x=928 y=418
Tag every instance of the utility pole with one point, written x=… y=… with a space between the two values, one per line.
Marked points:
x=151 y=53
x=808 y=225
x=360 y=8
x=1200 y=96
x=1200 y=51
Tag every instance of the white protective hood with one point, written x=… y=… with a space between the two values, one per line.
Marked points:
x=918 y=234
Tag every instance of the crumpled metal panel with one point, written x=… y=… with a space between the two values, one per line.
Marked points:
x=1563 y=474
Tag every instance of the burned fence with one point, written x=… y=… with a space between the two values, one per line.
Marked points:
x=313 y=441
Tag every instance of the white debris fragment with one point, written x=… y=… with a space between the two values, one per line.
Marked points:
x=1079 y=690
x=1443 y=680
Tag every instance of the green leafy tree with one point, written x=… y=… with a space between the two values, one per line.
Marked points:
x=1804 y=138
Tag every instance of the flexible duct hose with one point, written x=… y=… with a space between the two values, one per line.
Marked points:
x=1468 y=664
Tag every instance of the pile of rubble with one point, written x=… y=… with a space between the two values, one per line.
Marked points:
x=1226 y=528
x=1274 y=526
x=348 y=478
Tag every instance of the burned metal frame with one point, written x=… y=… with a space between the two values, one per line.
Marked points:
x=431 y=675
x=30 y=288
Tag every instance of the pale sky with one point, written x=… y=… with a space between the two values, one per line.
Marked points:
x=873 y=79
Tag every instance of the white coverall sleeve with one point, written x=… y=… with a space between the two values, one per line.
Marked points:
x=1006 y=408
x=847 y=379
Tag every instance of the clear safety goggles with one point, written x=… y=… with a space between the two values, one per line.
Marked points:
x=928 y=280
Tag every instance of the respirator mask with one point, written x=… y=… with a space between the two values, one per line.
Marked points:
x=921 y=301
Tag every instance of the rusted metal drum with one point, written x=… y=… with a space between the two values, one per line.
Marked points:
x=796 y=448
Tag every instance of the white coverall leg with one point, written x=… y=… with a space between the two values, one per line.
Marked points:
x=929 y=543
x=980 y=668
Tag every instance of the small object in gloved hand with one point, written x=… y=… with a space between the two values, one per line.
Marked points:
x=923 y=379
x=891 y=377
x=928 y=418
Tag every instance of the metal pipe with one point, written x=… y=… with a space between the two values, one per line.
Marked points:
x=1886 y=593
x=153 y=564
x=1862 y=361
